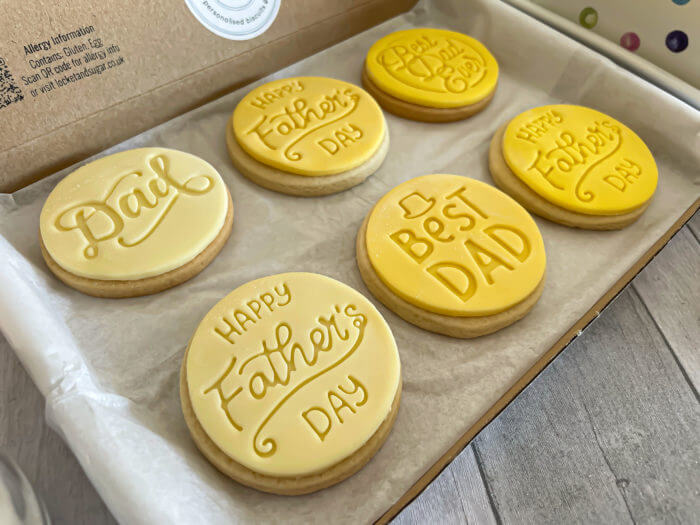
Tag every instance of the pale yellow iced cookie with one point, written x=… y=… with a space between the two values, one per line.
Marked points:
x=135 y=222
x=291 y=383
x=307 y=135
x=574 y=165
x=433 y=75
x=452 y=255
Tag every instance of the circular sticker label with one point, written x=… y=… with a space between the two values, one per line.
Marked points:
x=134 y=214
x=580 y=159
x=309 y=125
x=455 y=246
x=235 y=19
x=292 y=373
x=432 y=67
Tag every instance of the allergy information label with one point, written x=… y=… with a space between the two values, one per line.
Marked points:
x=55 y=61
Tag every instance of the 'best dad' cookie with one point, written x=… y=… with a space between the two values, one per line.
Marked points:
x=307 y=135
x=574 y=165
x=135 y=223
x=291 y=383
x=452 y=255
x=433 y=75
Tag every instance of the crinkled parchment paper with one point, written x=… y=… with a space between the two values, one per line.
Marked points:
x=109 y=368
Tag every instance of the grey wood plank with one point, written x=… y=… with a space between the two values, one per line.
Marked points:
x=694 y=224
x=457 y=495
x=670 y=288
x=43 y=456
x=438 y=503
x=607 y=433
x=471 y=488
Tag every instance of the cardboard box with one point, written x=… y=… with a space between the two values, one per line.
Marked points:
x=77 y=78
x=525 y=70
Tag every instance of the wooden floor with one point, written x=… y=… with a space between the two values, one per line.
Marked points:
x=608 y=433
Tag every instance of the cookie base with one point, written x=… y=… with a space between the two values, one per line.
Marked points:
x=506 y=180
x=148 y=285
x=301 y=185
x=286 y=486
x=454 y=326
x=412 y=111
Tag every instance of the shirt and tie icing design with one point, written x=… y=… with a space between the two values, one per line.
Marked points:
x=455 y=246
x=290 y=374
x=580 y=159
x=309 y=126
x=134 y=214
x=432 y=67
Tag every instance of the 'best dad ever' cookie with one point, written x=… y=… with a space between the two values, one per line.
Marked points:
x=307 y=135
x=135 y=223
x=452 y=255
x=432 y=75
x=291 y=383
x=575 y=166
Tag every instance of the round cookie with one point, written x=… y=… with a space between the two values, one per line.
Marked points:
x=575 y=166
x=291 y=383
x=452 y=255
x=431 y=75
x=307 y=136
x=135 y=222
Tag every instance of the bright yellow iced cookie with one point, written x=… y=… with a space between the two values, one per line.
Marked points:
x=452 y=255
x=135 y=222
x=307 y=135
x=574 y=165
x=430 y=74
x=291 y=383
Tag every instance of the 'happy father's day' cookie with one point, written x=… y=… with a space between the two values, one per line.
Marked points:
x=291 y=383
x=433 y=75
x=575 y=166
x=135 y=223
x=452 y=255
x=307 y=136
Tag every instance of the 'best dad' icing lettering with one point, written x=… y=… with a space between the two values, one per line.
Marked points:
x=289 y=372
x=124 y=216
x=432 y=67
x=309 y=125
x=580 y=159
x=455 y=246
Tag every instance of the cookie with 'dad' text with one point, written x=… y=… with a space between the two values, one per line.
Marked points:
x=452 y=255
x=432 y=75
x=291 y=383
x=135 y=222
